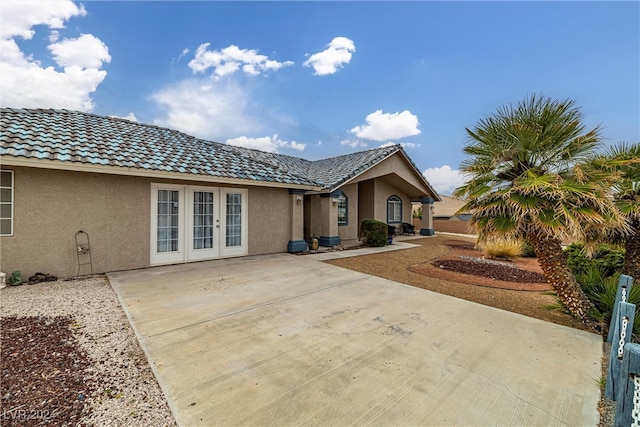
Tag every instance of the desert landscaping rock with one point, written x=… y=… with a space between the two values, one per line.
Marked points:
x=493 y=271
x=70 y=357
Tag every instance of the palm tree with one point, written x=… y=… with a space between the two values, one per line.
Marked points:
x=626 y=194
x=526 y=179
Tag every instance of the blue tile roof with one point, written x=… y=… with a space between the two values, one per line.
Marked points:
x=71 y=136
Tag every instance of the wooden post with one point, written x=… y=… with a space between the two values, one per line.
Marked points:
x=626 y=312
x=624 y=401
x=625 y=282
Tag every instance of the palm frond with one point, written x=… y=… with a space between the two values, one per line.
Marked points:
x=534 y=164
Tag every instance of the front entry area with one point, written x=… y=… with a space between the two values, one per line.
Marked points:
x=191 y=223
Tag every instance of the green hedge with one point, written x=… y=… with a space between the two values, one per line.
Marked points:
x=373 y=233
x=608 y=258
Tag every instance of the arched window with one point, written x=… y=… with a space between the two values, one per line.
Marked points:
x=394 y=209
x=343 y=209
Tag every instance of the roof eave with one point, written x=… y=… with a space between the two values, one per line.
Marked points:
x=419 y=174
x=114 y=170
x=332 y=187
x=339 y=184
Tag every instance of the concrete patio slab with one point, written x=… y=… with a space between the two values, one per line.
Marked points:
x=288 y=340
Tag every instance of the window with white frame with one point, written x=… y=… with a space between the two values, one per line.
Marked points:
x=6 y=203
x=394 y=209
x=234 y=220
x=343 y=209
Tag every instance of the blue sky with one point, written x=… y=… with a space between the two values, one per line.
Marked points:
x=319 y=79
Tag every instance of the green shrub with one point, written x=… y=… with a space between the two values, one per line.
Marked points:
x=609 y=258
x=577 y=260
x=373 y=233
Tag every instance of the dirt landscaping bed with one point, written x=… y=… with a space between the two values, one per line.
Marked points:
x=70 y=357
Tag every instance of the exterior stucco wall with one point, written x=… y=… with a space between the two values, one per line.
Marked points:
x=328 y=217
x=50 y=206
x=382 y=192
x=366 y=205
x=350 y=231
x=313 y=217
x=269 y=220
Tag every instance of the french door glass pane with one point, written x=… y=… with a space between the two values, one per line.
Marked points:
x=6 y=180
x=202 y=220
x=5 y=226
x=167 y=220
x=233 y=230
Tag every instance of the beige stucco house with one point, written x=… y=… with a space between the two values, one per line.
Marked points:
x=147 y=195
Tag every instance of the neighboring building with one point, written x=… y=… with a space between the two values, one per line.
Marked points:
x=147 y=195
x=447 y=216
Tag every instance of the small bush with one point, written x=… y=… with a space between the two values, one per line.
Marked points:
x=577 y=260
x=373 y=233
x=501 y=247
x=608 y=258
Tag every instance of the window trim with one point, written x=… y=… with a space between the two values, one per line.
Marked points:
x=398 y=201
x=344 y=197
x=12 y=202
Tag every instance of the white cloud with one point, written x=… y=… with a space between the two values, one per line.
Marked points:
x=330 y=60
x=25 y=82
x=354 y=143
x=206 y=109
x=131 y=117
x=87 y=51
x=406 y=145
x=231 y=59
x=215 y=108
x=409 y=145
x=387 y=144
x=266 y=143
x=384 y=126
x=184 y=53
x=444 y=179
x=19 y=17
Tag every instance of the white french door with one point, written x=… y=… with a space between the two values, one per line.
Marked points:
x=203 y=223
x=190 y=223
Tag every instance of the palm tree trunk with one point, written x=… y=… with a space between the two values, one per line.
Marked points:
x=553 y=264
x=632 y=252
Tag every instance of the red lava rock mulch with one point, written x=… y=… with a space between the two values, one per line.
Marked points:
x=42 y=372
x=464 y=263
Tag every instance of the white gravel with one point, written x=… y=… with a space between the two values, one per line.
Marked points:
x=127 y=393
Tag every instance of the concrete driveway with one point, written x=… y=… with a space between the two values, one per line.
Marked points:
x=289 y=340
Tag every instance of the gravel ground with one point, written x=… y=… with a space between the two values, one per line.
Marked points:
x=70 y=357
